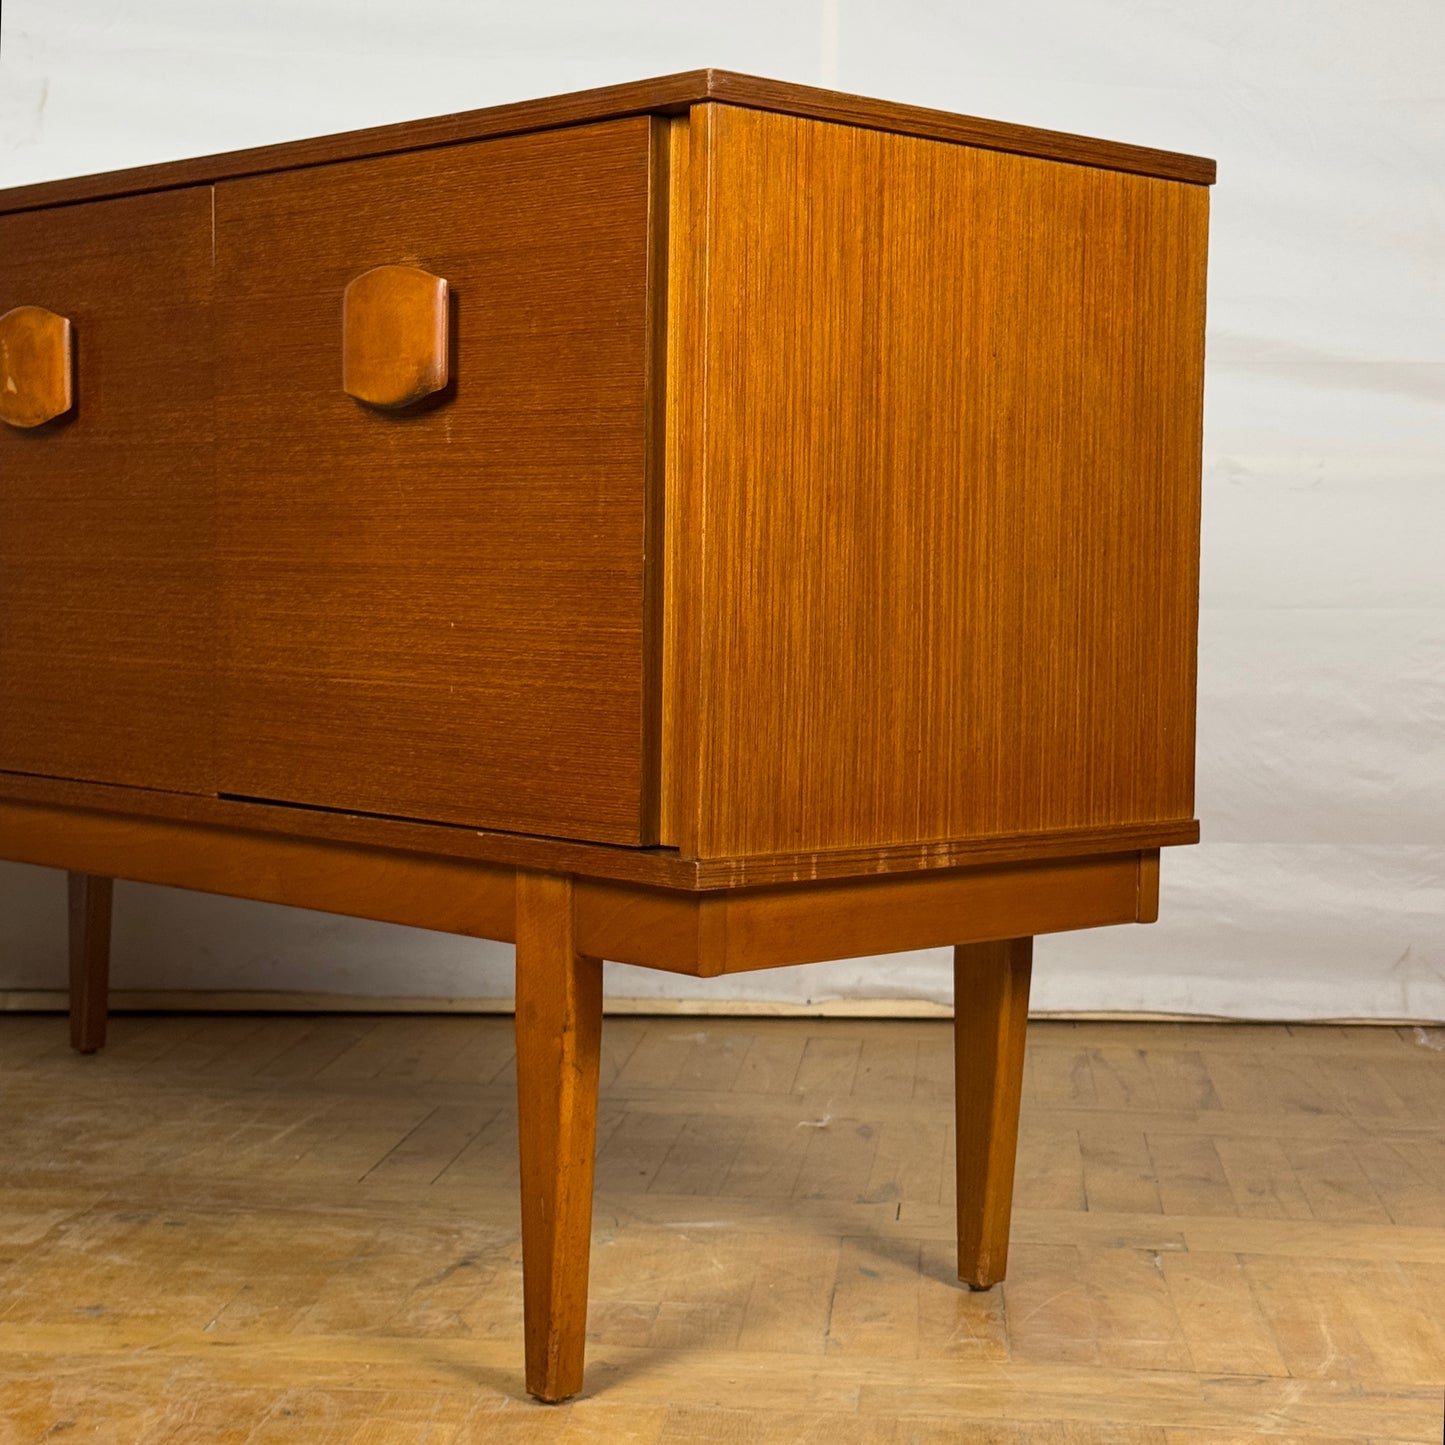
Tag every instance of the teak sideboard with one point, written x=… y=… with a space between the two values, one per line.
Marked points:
x=707 y=523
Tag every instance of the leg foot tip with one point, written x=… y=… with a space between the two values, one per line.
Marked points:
x=553 y=1392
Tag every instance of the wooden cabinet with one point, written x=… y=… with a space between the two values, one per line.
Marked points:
x=707 y=524
x=795 y=487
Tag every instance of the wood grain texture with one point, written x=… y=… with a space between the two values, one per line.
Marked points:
x=394 y=336
x=757 y=93
x=107 y=613
x=664 y=95
x=89 y=907
x=289 y=1229
x=738 y=930
x=947 y=480
x=759 y=871
x=446 y=894
x=654 y=521
x=471 y=650
x=1149 y=887
x=886 y=647
x=682 y=447
x=990 y=1018
x=661 y=928
x=699 y=933
x=57 y=798
x=853 y=917
x=36 y=366
x=559 y=1037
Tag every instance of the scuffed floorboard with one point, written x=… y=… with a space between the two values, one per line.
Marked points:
x=241 y=1231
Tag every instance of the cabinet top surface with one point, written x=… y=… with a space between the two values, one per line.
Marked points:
x=664 y=95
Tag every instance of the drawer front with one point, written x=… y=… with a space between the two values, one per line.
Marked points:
x=107 y=621
x=436 y=609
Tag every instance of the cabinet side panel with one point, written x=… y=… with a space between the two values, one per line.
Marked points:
x=659 y=213
x=950 y=491
x=682 y=453
x=107 y=602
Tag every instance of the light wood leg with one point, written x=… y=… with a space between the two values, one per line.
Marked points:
x=89 y=960
x=559 y=1031
x=990 y=1015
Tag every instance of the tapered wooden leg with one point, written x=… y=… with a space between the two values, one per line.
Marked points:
x=89 y=960
x=990 y=1015
x=559 y=1031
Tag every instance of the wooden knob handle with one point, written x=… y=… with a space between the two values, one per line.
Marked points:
x=394 y=336
x=36 y=368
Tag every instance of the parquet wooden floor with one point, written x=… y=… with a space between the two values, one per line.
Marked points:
x=288 y=1229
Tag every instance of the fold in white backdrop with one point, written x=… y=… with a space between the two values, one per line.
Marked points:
x=1320 y=888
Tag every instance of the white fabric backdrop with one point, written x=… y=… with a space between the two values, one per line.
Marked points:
x=1320 y=888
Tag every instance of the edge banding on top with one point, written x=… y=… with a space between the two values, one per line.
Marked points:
x=663 y=95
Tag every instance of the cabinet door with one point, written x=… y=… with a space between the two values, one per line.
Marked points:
x=106 y=524
x=438 y=610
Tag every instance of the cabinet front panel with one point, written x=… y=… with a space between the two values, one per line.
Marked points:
x=107 y=619
x=434 y=606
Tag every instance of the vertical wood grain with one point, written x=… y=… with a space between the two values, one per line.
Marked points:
x=661 y=150
x=107 y=548
x=682 y=511
x=943 y=576
x=559 y=1030
x=440 y=612
x=990 y=1017
x=1148 y=911
x=89 y=899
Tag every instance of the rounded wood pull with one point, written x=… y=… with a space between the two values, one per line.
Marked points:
x=394 y=336
x=36 y=366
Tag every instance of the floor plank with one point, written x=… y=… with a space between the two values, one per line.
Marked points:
x=287 y=1229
